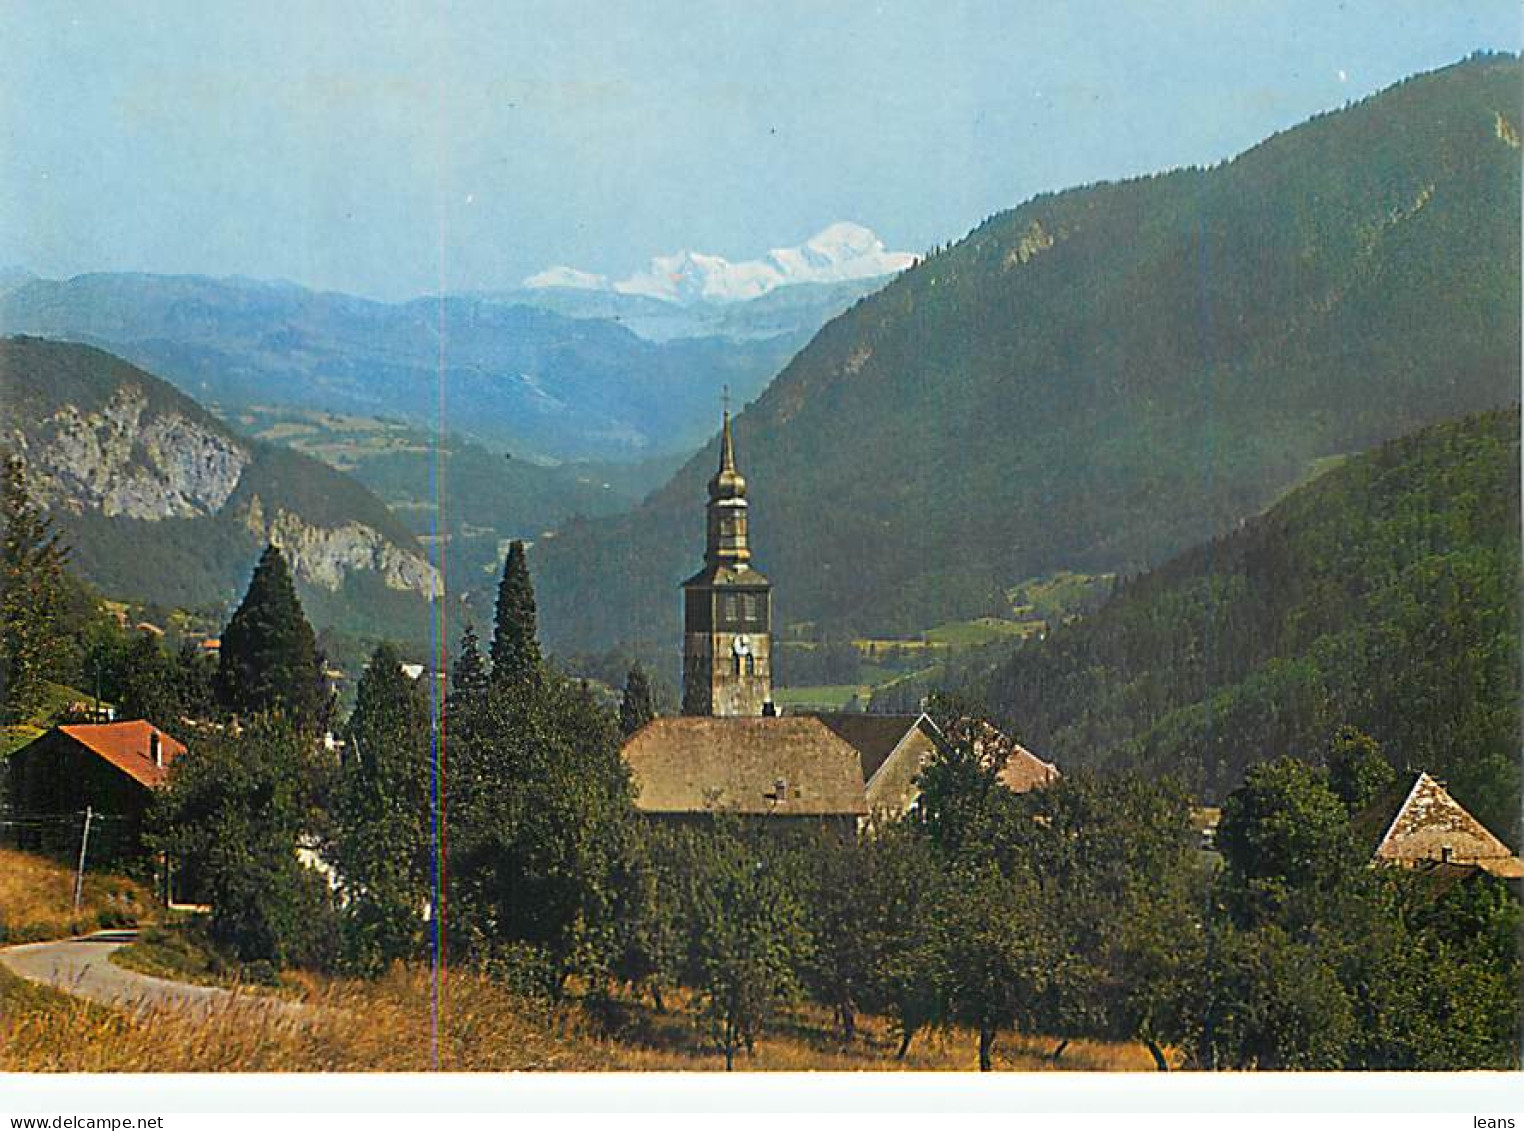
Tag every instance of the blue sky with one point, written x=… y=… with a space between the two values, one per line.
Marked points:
x=392 y=148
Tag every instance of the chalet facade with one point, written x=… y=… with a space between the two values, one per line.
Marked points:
x=113 y=769
x=732 y=751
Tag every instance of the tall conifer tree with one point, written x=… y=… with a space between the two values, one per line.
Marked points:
x=269 y=658
x=515 y=649
x=31 y=597
x=636 y=708
x=469 y=678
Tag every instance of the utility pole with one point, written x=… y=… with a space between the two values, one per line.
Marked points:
x=84 y=844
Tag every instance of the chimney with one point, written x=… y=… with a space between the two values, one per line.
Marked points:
x=155 y=749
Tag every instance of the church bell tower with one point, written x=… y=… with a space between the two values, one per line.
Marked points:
x=727 y=608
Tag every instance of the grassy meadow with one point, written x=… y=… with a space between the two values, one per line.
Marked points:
x=37 y=900
x=482 y=1028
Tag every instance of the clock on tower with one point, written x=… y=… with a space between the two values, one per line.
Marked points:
x=727 y=608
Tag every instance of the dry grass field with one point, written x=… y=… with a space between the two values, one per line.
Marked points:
x=37 y=900
x=482 y=1028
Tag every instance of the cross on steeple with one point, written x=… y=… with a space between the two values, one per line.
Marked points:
x=725 y=398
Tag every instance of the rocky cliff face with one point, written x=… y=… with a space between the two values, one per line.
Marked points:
x=327 y=555
x=123 y=461
x=162 y=502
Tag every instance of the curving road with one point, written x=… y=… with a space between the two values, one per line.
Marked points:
x=82 y=967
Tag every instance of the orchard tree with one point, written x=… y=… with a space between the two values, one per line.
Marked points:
x=903 y=886
x=1357 y=770
x=747 y=936
x=269 y=658
x=997 y=961
x=1285 y=837
x=233 y=813
x=1271 y=1003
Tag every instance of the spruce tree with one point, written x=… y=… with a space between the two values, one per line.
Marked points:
x=469 y=678
x=31 y=597
x=269 y=657
x=515 y=649
x=636 y=708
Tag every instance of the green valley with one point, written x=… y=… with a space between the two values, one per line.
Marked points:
x=1385 y=594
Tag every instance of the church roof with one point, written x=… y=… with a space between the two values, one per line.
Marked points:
x=874 y=737
x=728 y=576
x=697 y=764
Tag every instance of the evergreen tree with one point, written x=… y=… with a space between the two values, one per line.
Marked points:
x=515 y=646
x=147 y=687
x=636 y=709
x=383 y=838
x=269 y=658
x=469 y=678
x=32 y=586
x=195 y=678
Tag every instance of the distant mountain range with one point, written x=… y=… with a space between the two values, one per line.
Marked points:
x=842 y=252
x=536 y=372
x=1385 y=595
x=161 y=502
x=1104 y=376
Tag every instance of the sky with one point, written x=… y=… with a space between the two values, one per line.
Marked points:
x=398 y=148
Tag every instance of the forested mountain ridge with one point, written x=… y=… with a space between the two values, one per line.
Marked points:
x=1104 y=376
x=1384 y=594
x=160 y=502
x=512 y=375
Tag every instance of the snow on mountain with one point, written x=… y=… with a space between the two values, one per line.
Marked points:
x=841 y=252
x=567 y=277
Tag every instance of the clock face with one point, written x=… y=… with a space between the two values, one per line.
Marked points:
x=742 y=645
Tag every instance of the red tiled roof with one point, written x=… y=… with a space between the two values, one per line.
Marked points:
x=125 y=746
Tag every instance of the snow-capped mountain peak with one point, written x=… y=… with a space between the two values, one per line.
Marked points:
x=840 y=252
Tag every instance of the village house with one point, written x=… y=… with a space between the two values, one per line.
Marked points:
x=1418 y=825
x=732 y=750
x=112 y=769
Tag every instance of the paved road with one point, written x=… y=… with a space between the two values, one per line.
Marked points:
x=81 y=967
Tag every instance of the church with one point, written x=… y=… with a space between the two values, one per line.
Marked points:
x=731 y=750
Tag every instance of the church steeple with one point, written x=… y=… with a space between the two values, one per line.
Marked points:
x=727 y=606
x=727 y=541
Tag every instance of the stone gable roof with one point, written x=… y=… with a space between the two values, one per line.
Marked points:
x=696 y=764
x=1419 y=823
x=1024 y=771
